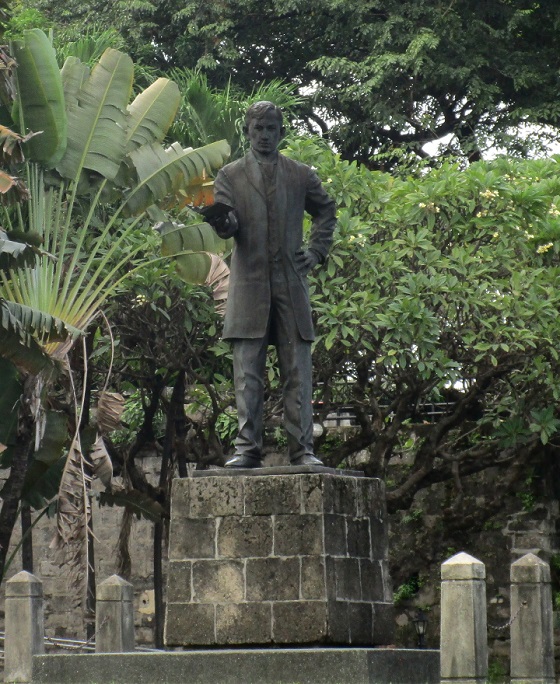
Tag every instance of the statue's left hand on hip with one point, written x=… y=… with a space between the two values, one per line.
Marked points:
x=305 y=261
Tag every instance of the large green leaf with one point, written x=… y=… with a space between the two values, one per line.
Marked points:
x=42 y=479
x=191 y=246
x=152 y=113
x=21 y=349
x=177 y=238
x=49 y=328
x=163 y=172
x=41 y=98
x=74 y=74
x=14 y=252
x=97 y=121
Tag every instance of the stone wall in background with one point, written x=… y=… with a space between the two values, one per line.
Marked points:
x=62 y=617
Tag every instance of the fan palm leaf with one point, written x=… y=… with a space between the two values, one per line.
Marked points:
x=41 y=101
x=97 y=123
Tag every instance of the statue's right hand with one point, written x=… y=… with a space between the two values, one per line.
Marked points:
x=226 y=225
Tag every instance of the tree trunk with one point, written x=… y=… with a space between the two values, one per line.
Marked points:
x=11 y=493
x=26 y=538
x=176 y=404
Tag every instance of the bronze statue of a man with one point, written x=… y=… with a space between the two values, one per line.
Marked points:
x=268 y=300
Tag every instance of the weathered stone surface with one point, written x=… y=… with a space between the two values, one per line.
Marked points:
x=360 y=618
x=311 y=494
x=215 y=496
x=244 y=623
x=462 y=566
x=293 y=562
x=383 y=623
x=114 y=616
x=218 y=581
x=532 y=637
x=24 y=626
x=371 y=579
x=298 y=535
x=313 y=578
x=272 y=495
x=358 y=535
x=192 y=538
x=335 y=535
x=339 y=622
x=273 y=579
x=226 y=666
x=464 y=650
x=245 y=536
x=340 y=495
x=347 y=579
x=297 y=622
x=179 y=581
x=190 y=624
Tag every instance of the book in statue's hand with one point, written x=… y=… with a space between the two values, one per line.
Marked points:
x=214 y=211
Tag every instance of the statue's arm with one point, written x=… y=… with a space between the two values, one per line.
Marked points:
x=323 y=211
x=225 y=225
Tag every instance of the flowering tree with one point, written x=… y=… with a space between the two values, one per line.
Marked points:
x=441 y=288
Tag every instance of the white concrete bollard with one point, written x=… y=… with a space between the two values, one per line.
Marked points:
x=464 y=646
x=24 y=626
x=531 y=631
x=114 y=619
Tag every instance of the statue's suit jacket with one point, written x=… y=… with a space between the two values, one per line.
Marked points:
x=298 y=189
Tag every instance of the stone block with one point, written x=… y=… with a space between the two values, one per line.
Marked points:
x=24 y=626
x=114 y=616
x=212 y=497
x=192 y=538
x=339 y=495
x=189 y=624
x=180 y=498
x=311 y=494
x=299 y=622
x=370 y=498
x=277 y=495
x=179 y=577
x=358 y=539
x=464 y=649
x=313 y=578
x=360 y=618
x=338 y=622
x=335 y=535
x=371 y=579
x=245 y=536
x=532 y=633
x=379 y=538
x=347 y=579
x=244 y=623
x=298 y=535
x=383 y=623
x=273 y=579
x=218 y=581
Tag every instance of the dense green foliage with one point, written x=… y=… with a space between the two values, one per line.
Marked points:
x=379 y=74
x=441 y=287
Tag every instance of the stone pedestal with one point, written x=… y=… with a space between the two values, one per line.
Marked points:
x=24 y=626
x=114 y=618
x=278 y=559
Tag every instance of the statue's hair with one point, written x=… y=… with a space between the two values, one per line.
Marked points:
x=259 y=109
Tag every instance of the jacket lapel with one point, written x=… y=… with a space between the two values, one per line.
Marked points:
x=254 y=174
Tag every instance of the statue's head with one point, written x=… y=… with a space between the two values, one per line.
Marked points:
x=264 y=128
x=258 y=110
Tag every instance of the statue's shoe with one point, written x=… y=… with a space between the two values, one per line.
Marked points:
x=307 y=460
x=243 y=461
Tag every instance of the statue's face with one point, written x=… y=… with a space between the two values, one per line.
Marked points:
x=264 y=134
